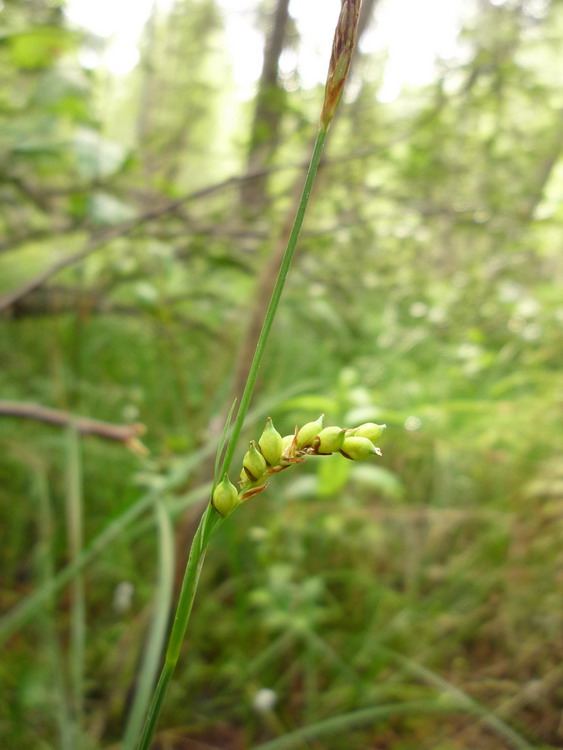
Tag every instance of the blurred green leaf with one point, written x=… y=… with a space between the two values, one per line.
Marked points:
x=96 y=157
x=311 y=403
x=106 y=210
x=380 y=479
x=38 y=47
x=332 y=474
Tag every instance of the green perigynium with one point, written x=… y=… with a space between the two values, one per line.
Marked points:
x=358 y=448
x=309 y=432
x=329 y=440
x=369 y=430
x=254 y=463
x=225 y=497
x=274 y=454
x=270 y=444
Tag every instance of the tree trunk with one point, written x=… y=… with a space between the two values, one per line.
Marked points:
x=270 y=101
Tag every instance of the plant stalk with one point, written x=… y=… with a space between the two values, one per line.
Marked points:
x=275 y=299
x=74 y=514
x=181 y=618
x=210 y=519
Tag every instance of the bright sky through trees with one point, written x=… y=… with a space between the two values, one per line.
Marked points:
x=413 y=34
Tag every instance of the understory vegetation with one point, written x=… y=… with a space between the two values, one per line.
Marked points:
x=410 y=602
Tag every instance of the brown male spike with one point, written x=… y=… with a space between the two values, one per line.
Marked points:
x=341 y=58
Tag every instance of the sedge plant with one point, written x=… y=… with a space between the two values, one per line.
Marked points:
x=272 y=453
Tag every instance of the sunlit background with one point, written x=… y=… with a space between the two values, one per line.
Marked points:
x=411 y=48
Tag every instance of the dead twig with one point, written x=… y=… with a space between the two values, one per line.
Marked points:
x=102 y=238
x=128 y=434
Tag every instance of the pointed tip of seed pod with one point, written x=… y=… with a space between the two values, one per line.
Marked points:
x=370 y=430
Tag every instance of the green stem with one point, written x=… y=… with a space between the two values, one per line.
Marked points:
x=48 y=629
x=74 y=512
x=157 y=637
x=211 y=519
x=181 y=618
x=274 y=301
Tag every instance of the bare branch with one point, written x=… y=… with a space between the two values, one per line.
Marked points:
x=120 y=230
x=128 y=434
x=98 y=241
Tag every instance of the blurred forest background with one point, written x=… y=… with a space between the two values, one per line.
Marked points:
x=410 y=603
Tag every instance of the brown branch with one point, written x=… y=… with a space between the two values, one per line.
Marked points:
x=127 y=434
x=50 y=301
x=11 y=243
x=98 y=241
x=101 y=239
x=28 y=191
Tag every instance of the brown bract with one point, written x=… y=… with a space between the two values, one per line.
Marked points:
x=341 y=57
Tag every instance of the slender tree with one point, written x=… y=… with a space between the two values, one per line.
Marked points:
x=268 y=111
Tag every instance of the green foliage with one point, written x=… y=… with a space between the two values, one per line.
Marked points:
x=34 y=49
x=426 y=293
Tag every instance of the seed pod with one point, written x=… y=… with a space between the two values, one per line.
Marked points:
x=309 y=432
x=270 y=444
x=329 y=440
x=358 y=448
x=225 y=497
x=254 y=462
x=370 y=430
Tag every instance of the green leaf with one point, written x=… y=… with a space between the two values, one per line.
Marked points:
x=332 y=475
x=360 y=414
x=380 y=479
x=311 y=403
x=96 y=157
x=302 y=486
x=65 y=92
x=107 y=210
x=146 y=293
x=33 y=49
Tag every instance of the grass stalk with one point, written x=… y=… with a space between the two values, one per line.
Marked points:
x=208 y=522
x=46 y=568
x=275 y=299
x=355 y=719
x=342 y=49
x=116 y=529
x=210 y=519
x=27 y=608
x=486 y=716
x=157 y=636
x=74 y=514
